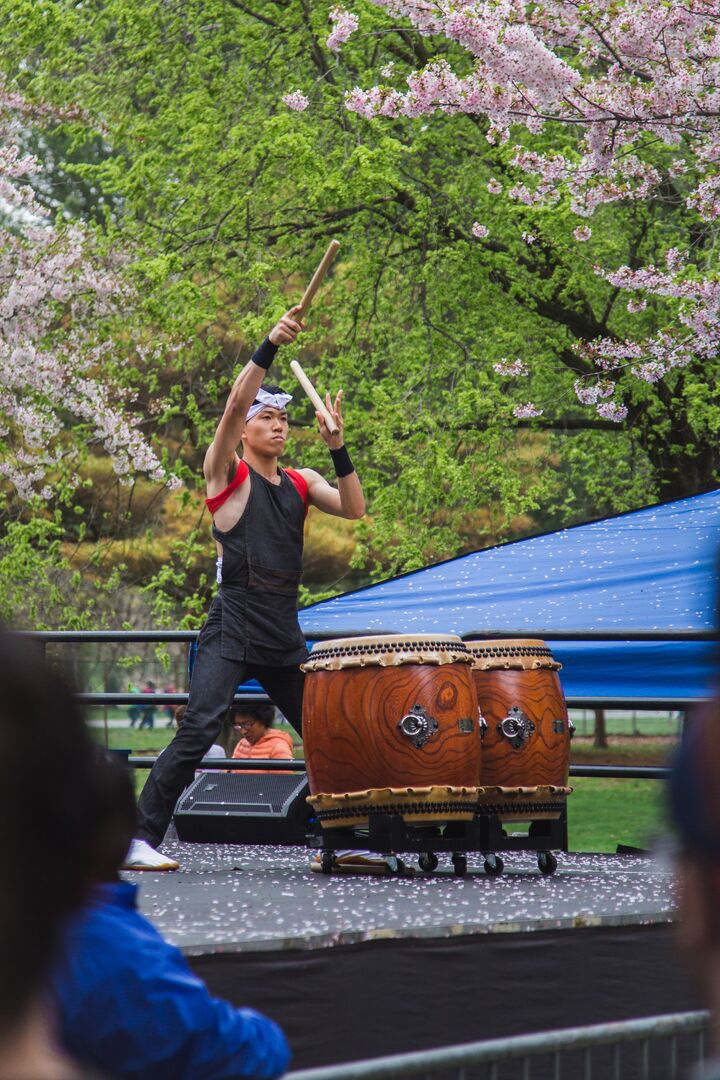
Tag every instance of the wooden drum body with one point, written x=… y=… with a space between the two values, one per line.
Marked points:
x=390 y=724
x=525 y=728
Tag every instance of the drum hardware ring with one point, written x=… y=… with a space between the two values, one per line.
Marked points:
x=516 y=727
x=418 y=726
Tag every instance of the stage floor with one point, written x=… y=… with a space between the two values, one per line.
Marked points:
x=229 y=898
x=355 y=967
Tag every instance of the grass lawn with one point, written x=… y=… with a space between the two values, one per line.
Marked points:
x=601 y=813
x=605 y=813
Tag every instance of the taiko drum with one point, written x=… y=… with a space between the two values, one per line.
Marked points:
x=390 y=724
x=524 y=720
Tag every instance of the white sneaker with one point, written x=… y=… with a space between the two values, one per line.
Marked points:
x=143 y=857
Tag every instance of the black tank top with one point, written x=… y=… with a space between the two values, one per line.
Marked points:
x=261 y=571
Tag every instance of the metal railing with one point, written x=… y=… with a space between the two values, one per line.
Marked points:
x=165 y=636
x=577 y=1047
x=677 y=702
x=45 y=637
x=627 y=772
x=327 y=635
x=662 y=704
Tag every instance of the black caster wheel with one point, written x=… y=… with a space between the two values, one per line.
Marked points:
x=494 y=865
x=326 y=862
x=428 y=861
x=459 y=865
x=547 y=863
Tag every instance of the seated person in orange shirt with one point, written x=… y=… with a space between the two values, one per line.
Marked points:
x=258 y=739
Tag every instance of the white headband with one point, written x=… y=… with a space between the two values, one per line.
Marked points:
x=263 y=399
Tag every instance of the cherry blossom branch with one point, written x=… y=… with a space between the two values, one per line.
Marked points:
x=645 y=70
x=57 y=295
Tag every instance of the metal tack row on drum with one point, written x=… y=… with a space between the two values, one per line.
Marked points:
x=434 y=730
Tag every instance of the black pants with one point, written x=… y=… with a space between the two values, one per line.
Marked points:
x=213 y=686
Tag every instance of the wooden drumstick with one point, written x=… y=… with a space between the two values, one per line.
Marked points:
x=317 y=278
x=314 y=396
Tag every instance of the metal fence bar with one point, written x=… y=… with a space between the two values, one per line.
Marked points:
x=494 y=1051
x=664 y=704
x=673 y=1057
x=79 y=636
x=615 y=772
x=141 y=761
x=156 y=699
x=648 y=704
x=628 y=772
x=325 y=635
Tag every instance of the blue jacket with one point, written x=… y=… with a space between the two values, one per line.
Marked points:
x=129 y=1005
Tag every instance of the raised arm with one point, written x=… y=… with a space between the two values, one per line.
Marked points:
x=221 y=458
x=347 y=499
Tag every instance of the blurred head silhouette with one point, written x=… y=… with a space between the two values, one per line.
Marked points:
x=48 y=791
x=695 y=807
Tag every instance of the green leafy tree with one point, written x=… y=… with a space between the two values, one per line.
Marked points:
x=229 y=196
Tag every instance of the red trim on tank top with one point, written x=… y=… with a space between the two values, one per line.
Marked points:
x=216 y=501
x=301 y=485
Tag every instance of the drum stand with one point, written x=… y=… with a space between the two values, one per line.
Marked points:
x=390 y=833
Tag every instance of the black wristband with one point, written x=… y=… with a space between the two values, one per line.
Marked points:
x=341 y=461
x=264 y=354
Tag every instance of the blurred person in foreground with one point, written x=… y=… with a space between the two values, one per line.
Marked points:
x=695 y=807
x=126 y=999
x=46 y=810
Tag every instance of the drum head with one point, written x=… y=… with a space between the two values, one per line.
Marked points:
x=522 y=653
x=387 y=650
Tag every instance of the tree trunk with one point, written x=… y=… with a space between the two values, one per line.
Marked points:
x=600 y=740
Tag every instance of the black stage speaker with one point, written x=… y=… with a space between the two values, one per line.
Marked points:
x=244 y=808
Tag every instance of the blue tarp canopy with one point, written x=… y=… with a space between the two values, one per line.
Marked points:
x=648 y=570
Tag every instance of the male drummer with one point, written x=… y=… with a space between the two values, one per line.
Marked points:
x=252 y=629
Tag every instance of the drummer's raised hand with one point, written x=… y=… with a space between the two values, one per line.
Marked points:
x=287 y=329
x=336 y=440
x=347 y=499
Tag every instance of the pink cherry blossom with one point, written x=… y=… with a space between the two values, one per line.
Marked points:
x=50 y=368
x=610 y=410
x=590 y=392
x=527 y=411
x=511 y=367
x=345 y=24
x=296 y=101
x=622 y=75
